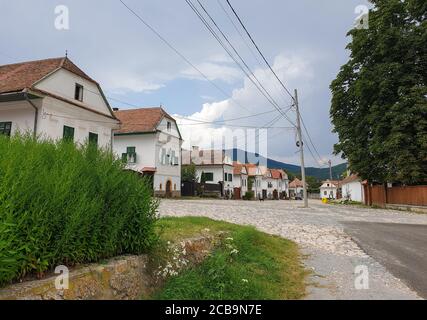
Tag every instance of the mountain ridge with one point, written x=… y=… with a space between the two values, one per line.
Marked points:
x=319 y=173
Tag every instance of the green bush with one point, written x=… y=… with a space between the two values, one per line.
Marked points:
x=249 y=195
x=60 y=204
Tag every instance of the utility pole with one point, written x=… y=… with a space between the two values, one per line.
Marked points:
x=301 y=149
x=330 y=170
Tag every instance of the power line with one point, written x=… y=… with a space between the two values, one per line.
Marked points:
x=165 y=41
x=259 y=51
x=311 y=141
x=245 y=41
x=278 y=79
x=263 y=90
x=233 y=119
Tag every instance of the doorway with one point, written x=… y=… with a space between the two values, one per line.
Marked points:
x=168 y=189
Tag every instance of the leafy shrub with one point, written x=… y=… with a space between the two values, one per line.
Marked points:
x=249 y=195
x=60 y=204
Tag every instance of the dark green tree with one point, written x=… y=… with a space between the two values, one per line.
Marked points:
x=189 y=173
x=379 y=103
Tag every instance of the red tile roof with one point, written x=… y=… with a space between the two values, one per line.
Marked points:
x=18 y=76
x=237 y=167
x=297 y=183
x=252 y=169
x=276 y=174
x=140 y=120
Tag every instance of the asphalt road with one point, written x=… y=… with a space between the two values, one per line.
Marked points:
x=401 y=248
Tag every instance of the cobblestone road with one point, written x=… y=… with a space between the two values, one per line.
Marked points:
x=330 y=253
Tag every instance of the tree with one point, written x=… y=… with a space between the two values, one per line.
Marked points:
x=379 y=105
x=313 y=184
x=189 y=173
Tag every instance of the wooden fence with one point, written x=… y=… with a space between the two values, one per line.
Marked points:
x=381 y=195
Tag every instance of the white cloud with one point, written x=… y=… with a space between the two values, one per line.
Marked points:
x=213 y=71
x=293 y=70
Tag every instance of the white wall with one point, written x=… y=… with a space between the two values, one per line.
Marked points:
x=20 y=113
x=217 y=171
x=167 y=143
x=63 y=83
x=56 y=114
x=329 y=191
x=353 y=191
x=228 y=185
x=53 y=115
x=144 y=147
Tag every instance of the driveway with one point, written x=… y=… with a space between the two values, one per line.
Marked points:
x=331 y=253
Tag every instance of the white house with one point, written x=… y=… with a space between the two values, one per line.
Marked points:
x=280 y=182
x=352 y=188
x=329 y=189
x=266 y=183
x=240 y=180
x=149 y=142
x=215 y=165
x=54 y=99
x=296 y=188
x=255 y=175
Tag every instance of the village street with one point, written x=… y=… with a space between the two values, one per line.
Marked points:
x=323 y=233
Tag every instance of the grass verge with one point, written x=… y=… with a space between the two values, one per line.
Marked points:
x=249 y=264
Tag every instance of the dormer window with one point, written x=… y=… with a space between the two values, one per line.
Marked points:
x=78 y=93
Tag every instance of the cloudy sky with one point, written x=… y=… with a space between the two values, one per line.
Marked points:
x=304 y=40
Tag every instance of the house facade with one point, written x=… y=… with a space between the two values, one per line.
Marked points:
x=329 y=189
x=280 y=183
x=149 y=142
x=54 y=99
x=255 y=176
x=240 y=180
x=215 y=166
x=296 y=188
x=352 y=188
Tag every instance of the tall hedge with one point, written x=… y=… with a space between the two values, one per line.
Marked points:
x=62 y=204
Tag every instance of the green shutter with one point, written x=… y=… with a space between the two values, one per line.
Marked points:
x=131 y=154
x=68 y=134
x=124 y=157
x=93 y=139
x=5 y=128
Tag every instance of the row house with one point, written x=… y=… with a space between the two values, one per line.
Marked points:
x=240 y=180
x=54 y=99
x=266 y=183
x=213 y=167
x=149 y=142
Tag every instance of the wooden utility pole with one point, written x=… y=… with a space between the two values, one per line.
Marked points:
x=301 y=149
x=330 y=169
